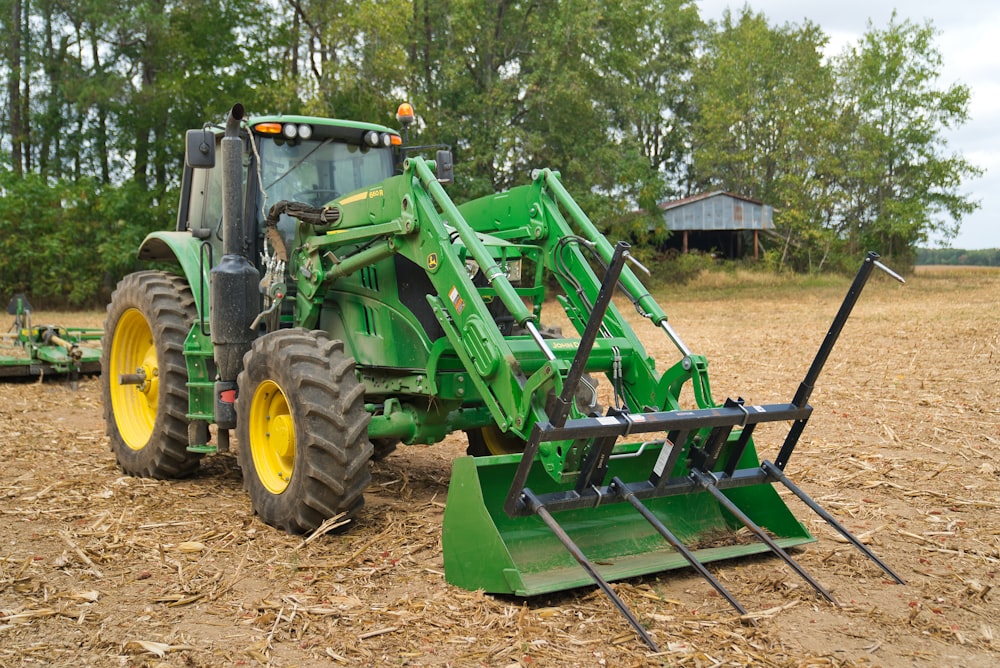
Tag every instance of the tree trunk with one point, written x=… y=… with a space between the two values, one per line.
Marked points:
x=17 y=129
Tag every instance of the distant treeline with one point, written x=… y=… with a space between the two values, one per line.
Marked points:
x=987 y=257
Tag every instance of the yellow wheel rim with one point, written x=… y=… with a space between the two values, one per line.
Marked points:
x=272 y=437
x=133 y=351
x=499 y=443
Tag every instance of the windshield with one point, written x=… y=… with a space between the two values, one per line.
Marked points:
x=317 y=171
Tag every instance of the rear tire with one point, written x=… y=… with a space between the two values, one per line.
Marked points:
x=149 y=317
x=302 y=429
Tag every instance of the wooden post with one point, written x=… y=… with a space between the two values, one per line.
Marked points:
x=684 y=242
x=756 y=246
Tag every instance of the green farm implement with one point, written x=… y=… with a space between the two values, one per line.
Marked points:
x=329 y=302
x=46 y=350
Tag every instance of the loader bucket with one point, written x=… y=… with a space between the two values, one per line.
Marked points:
x=486 y=549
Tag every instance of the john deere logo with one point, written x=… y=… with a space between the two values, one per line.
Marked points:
x=432 y=261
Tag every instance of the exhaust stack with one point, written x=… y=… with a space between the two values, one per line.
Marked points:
x=233 y=281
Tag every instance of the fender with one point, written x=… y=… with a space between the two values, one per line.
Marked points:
x=182 y=249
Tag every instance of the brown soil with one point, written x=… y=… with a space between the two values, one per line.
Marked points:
x=101 y=569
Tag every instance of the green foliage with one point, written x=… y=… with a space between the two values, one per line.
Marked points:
x=897 y=176
x=764 y=100
x=988 y=257
x=64 y=241
x=675 y=268
x=632 y=101
x=852 y=155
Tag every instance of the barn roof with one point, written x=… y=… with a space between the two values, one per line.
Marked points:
x=717 y=210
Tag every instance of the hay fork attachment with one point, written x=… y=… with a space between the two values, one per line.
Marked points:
x=704 y=452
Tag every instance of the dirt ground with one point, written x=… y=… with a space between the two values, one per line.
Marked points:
x=101 y=569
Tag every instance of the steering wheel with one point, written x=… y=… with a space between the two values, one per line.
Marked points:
x=316 y=196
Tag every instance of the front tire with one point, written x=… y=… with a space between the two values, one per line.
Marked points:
x=302 y=430
x=149 y=317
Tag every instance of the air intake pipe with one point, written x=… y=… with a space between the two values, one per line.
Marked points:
x=234 y=280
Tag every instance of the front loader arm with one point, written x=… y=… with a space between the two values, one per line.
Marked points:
x=412 y=216
x=574 y=251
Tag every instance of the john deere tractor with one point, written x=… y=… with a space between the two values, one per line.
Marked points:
x=324 y=298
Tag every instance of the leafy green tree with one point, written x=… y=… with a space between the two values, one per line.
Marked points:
x=595 y=89
x=189 y=63
x=900 y=183
x=644 y=56
x=478 y=99
x=764 y=125
x=48 y=232
x=104 y=92
x=353 y=57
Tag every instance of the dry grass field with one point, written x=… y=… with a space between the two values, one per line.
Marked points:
x=101 y=569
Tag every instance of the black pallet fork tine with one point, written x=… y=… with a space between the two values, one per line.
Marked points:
x=622 y=490
x=805 y=390
x=708 y=482
x=774 y=472
x=560 y=407
x=539 y=508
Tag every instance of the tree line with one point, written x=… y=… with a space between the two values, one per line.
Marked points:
x=633 y=102
x=985 y=257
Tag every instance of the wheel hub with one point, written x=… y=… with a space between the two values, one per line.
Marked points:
x=272 y=437
x=281 y=437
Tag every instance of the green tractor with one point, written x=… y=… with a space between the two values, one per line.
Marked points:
x=325 y=299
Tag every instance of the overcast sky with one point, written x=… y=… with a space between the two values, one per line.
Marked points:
x=969 y=42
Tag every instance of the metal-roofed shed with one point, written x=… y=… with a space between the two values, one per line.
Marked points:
x=719 y=221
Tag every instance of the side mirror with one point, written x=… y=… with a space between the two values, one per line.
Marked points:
x=199 y=149
x=445 y=167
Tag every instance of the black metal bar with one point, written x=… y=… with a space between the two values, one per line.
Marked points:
x=539 y=508
x=809 y=382
x=201 y=283
x=644 y=489
x=777 y=474
x=709 y=483
x=514 y=504
x=616 y=426
x=621 y=488
x=644 y=423
x=707 y=455
x=806 y=388
x=560 y=408
x=666 y=462
x=595 y=463
x=736 y=452
x=791 y=440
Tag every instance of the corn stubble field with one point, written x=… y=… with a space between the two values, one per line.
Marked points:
x=101 y=569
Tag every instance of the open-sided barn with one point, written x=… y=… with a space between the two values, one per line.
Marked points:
x=719 y=222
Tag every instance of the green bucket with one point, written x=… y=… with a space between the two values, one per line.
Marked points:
x=485 y=549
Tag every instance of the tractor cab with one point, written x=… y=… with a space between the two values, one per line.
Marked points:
x=286 y=158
